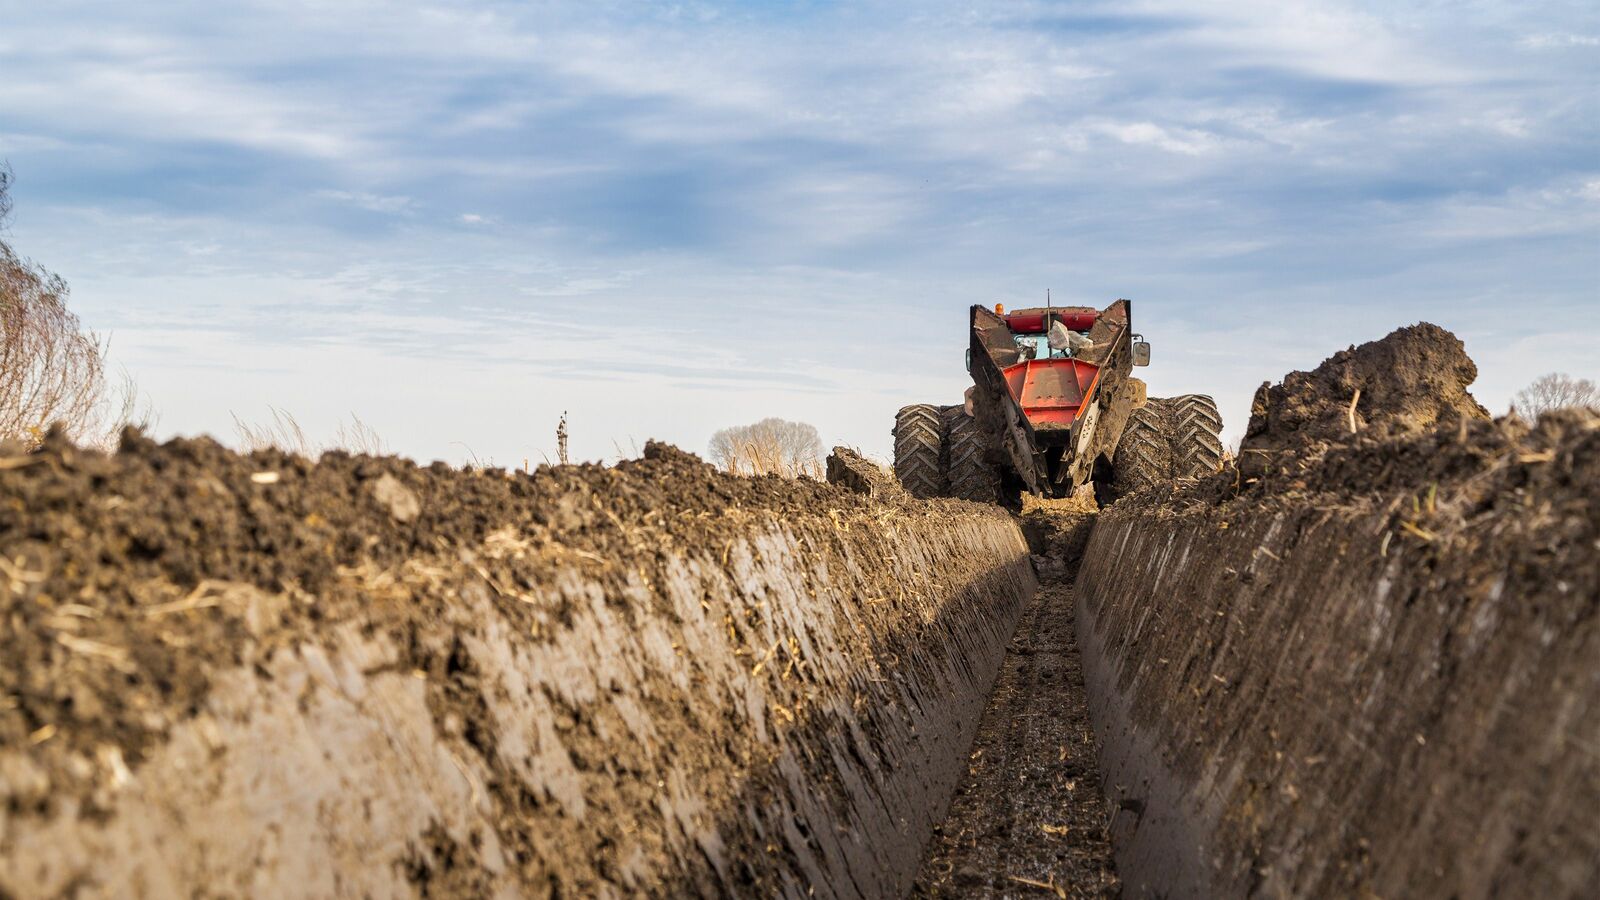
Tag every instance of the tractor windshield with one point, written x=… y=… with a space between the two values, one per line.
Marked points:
x=1037 y=346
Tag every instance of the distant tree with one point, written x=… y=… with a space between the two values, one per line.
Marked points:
x=771 y=446
x=1557 y=390
x=52 y=369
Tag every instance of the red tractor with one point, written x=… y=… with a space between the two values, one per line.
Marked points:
x=1054 y=407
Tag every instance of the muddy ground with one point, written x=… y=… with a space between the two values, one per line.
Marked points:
x=1363 y=665
x=1031 y=815
x=256 y=674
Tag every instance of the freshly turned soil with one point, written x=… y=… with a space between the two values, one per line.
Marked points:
x=1411 y=380
x=1031 y=813
x=261 y=674
x=1363 y=662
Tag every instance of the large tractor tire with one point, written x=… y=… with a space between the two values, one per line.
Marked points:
x=969 y=474
x=1144 y=454
x=1195 y=428
x=916 y=450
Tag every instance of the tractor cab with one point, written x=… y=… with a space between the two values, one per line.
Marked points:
x=1037 y=346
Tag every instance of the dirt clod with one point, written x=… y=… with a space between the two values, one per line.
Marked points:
x=398 y=499
x=1413 y=379
x=852 y=471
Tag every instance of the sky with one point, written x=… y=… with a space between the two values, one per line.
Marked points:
x=456 y=221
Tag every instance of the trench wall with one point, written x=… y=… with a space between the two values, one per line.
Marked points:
x=783 y=708
x=1393 y=696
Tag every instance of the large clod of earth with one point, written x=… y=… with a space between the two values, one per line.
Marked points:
x=226 y=674
x=1415 y=378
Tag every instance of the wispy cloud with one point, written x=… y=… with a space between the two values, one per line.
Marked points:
x=776 y=203
x=380 y=203
x=1548 y=41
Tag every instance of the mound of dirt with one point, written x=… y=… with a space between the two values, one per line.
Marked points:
x=852 y=471
x=357 y=676
x=1374 y=677
x=95 y=535
x=1359 y=663
x=1413 y=379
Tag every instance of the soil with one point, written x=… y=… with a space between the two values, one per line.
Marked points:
x=1413 y=379
x=852 y=471
x=1057 y=530
x=1030 y=818
x=350 y=671
x=1366 y=670
x=102 y=551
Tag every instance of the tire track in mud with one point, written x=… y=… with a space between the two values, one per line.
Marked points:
x=1030 y=818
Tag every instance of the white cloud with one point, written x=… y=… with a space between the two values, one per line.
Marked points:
x=1548 y=41
x=380 y=203
x=1315 y=37
x=1185 y=141
x=152 y=99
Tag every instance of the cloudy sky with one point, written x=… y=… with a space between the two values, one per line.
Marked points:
x=456 y=220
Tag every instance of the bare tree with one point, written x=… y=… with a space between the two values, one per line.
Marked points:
x=770 y=446
x=52 y=369
x=1557 y=390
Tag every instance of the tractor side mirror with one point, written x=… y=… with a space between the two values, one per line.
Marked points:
x=969 y=360
x=1141 y=352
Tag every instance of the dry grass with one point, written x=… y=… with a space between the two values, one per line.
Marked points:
x=283 y=432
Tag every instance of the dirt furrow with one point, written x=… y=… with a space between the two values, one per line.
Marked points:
x=264 y=676
x=1030 y=818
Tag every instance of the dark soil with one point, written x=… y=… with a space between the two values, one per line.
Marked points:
x=1413 y=379
x=1362 y=662
x=1031 y=817
x=1057 y=531
x=129 y=583
x=1414 y=421
x=103 y=551
x=852 y=471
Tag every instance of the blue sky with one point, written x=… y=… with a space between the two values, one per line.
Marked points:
x=457 y=220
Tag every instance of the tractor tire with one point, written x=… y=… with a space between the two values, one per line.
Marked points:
x=916 y=450
x=1144 y=454
x=1195 y=428
x=967 y=470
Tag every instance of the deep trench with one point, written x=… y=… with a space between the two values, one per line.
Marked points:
x=1030 y=817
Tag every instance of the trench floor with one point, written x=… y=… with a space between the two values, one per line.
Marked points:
x=1030 y=818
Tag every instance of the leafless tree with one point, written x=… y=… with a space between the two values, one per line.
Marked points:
x=5 y=192
x=52 y=369
x=1557 y=390
x=770 y=446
